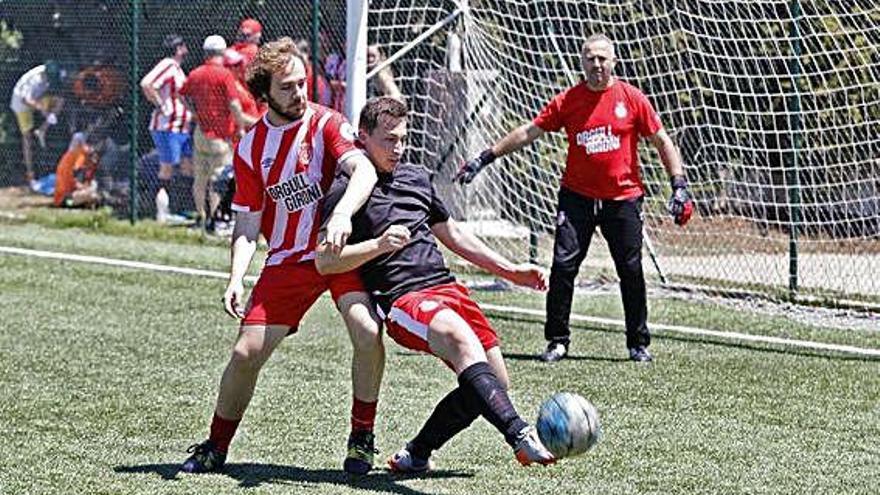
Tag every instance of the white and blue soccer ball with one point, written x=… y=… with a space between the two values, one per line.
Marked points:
x=568 y=425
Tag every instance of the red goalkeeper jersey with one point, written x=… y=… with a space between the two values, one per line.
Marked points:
x=603 y=129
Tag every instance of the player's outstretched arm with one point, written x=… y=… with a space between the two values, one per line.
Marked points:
x=352 y=256
x=244 y=245
x=363 y=178
x=471 y=248
x=513 y=141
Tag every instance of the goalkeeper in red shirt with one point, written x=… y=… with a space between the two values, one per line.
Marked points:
x=603 y=118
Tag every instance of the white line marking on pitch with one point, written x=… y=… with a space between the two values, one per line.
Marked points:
x=139 y=265
x=699 y=331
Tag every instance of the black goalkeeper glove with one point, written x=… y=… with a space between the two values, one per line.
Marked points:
x=471 y=168
x=681 y=205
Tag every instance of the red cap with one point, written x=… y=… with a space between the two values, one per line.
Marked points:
x=250 y=26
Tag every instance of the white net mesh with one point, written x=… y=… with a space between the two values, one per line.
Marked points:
x=774 y=105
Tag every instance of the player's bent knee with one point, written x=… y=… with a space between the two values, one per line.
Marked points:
x=255 y=344
x=246 y=358
x=363 y=325
x=366 y=338
x=456 y=344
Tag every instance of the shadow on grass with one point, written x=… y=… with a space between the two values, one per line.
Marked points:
x=767 y=348
x=251 y=475
x=512 y=356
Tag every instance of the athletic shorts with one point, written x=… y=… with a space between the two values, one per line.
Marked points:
x=25 y=118
x=172 y=146
x=25 y=121
x=407 y=321
x=284 y=293
x=211 y=155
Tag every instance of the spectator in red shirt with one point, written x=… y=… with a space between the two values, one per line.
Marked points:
x=248 y=39
x=233 y=61
x=213 y=96
x=603 y=118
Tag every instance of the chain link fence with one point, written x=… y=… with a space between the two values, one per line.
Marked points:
x=81 y=64
x=783 y=166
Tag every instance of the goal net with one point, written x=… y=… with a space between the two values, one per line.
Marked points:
x=774 y=105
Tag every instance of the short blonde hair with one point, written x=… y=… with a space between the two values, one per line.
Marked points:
x=598 y=37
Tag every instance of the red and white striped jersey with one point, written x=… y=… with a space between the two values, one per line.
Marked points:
x=284 y=172
x=167 y=78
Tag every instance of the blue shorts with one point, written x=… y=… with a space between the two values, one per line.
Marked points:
x=172 y=146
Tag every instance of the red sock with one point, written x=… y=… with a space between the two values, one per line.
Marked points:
x=222 y=431
x=363 y=415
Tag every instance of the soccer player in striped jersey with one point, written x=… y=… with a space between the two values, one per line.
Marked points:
x=284 y=165
x=424 y=308
x=170 y=120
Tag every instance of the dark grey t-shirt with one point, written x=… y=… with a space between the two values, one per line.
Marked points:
x=406 y=197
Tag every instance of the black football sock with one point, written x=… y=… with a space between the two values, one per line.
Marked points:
x=182 y=197
x=452 y=414
x=495 y=404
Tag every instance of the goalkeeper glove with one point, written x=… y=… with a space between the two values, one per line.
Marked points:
x=471 y=168
x=681 y=205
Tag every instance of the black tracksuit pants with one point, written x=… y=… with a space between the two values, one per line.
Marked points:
x=621 y=224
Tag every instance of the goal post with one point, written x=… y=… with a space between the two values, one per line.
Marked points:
x=773 y=104
x=356 y=55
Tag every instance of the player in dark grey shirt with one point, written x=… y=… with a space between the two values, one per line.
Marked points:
x=406 y=198
x=394 y=244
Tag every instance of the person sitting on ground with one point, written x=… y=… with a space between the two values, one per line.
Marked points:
x=74 y=176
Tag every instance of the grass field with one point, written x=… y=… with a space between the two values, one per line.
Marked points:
x=108 y=374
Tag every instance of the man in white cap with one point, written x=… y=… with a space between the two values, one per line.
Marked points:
x=213 y=95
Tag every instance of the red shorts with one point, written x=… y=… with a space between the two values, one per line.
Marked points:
x=407 y=322
x=284 y=293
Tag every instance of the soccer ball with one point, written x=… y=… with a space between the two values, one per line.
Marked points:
x=568 y=425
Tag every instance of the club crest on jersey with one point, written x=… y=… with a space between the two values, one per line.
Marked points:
x=620 y=110
x=296 y=192
x=267 y=162
x=304 y=154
